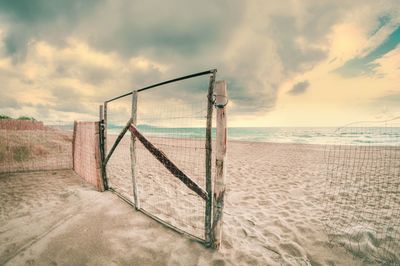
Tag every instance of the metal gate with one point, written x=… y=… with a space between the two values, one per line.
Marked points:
x=164 y=166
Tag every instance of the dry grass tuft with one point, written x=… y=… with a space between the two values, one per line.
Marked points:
x=21 y=153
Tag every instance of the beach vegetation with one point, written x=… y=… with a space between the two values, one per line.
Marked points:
x=21 y=153
x=4 y=117
x=2 y=152
x=28 y=118
x=40 y=150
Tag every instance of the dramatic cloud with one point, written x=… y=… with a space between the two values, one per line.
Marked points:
x=51 y=21
x=365 y=65
x=299 y=88
x=69 y=56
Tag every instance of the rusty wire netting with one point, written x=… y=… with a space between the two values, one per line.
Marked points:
x=362 y=193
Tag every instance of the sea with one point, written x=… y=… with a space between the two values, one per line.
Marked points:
x=304 y=135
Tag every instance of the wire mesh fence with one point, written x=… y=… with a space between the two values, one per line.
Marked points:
x=33 y=145
x=172 y=118
x=119 y=166
x=86 y=153
x=160 y=192
x=362 y=193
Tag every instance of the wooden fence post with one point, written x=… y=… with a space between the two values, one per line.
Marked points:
x=221 y=100
x=100 y=160
x=101 y=114
x=133 y=151
x=98 y=156
x=104 y=146
x=105 y=126
x=208 y=146
x=73 y=145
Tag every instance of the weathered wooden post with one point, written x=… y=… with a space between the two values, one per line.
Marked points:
x=103 y=144
x=133 y=151
x=208 y=146
x=73 y=145
x=105 y=126
x=101 y=114
x=98 y=157
x=100 y=160
x=221 y=100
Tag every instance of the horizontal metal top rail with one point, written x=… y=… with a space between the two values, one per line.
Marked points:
x=211 y=71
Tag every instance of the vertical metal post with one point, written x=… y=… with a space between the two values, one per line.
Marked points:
x=133 y=151
x=221 y=100
x=208 y=146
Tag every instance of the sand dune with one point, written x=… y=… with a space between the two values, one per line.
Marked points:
x=32 y=150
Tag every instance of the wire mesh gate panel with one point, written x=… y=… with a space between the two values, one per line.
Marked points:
x=177 y=128
x=163 y=164
x=362 y=200
x=119 y=165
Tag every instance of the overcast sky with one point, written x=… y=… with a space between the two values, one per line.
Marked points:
x=287 y=63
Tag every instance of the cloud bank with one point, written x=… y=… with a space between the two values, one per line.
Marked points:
x=60 y=59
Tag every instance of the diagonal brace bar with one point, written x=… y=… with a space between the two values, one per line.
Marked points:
x=162 y=158
x=117 y=141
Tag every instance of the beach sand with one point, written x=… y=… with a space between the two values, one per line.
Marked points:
x=273 y=215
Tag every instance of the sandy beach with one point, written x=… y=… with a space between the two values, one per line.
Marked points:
x=200 y=133
x=273 y=216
